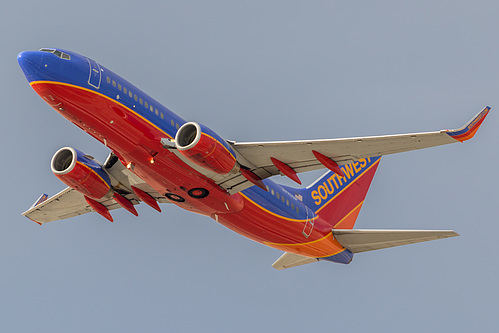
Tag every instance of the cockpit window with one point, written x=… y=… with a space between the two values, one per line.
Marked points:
x=58 y=53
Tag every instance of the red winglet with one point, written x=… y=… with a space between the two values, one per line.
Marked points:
x=468 y=131
x=125 y=203
x=145 y=197
x=328 y=163
x=249 y=175
x=286 y=169
x=99 y=208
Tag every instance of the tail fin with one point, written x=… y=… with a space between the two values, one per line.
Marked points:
x=338 y=199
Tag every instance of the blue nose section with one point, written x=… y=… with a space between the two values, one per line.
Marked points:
x=31 y=63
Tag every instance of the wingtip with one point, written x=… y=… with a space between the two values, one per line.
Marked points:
x=42 y=198
x=468 y=131
x=29 y=218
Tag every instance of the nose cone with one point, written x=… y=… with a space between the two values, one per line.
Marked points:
x=31 y=64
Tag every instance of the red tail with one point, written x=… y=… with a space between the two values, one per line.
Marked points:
x=338 y=199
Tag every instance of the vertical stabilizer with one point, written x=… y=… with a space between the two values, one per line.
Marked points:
x=338 y=199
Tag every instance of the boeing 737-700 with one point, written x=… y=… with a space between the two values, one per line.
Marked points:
x=158 y=157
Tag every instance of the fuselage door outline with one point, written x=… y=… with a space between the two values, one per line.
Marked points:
x=309 y=225
x=94 y=77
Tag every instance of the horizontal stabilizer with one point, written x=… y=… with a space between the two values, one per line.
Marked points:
x=362 y=240
x=288 y=260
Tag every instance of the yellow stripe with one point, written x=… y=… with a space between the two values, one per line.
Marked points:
x=360 y=175
x=284 y=245
x=317 y=211
x=300 y=244
x=92 y=170
x=348 y=215
x=214 y=146
x=320 y=239
x=272 y=213
x=232 y=155
x=102 y=95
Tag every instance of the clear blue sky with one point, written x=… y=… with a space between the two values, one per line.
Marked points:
x=260 y=70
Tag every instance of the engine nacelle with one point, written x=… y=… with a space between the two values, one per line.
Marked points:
x=81 y=172
x=205 y=148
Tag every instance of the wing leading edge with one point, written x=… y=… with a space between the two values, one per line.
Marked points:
x=299 y=156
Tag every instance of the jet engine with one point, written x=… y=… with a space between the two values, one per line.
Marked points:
x=205 y=148
x=81 y=172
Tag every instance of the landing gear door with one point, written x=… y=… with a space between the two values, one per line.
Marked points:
x=95 y=74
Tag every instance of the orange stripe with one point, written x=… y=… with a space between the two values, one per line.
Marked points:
x=350 y=218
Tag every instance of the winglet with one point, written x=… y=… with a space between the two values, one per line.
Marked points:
x=40 y=199
x=468 y=131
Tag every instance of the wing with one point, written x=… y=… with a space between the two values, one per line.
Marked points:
x=63 y=205
x=299 y=156
x=69 y=202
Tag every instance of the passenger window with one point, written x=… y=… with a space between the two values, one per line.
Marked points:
x=108 y=80
x=119 y=87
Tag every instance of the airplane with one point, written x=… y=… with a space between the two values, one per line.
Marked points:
x=158 y=157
